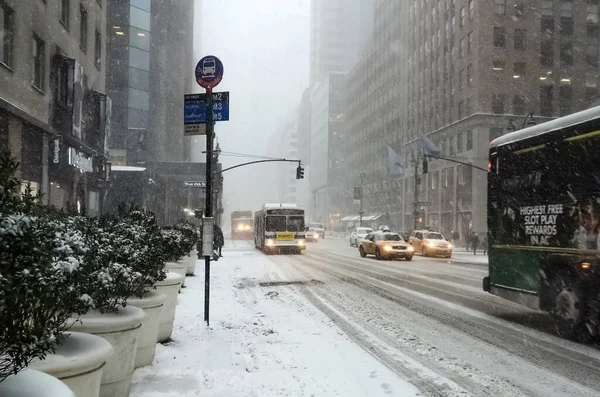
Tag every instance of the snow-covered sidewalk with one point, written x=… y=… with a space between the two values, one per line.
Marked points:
x=262 y=341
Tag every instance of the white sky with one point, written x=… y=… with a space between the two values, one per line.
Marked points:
x=264 y=46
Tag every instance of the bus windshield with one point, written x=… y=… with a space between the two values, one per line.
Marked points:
x=275 y=223
x=295 y=224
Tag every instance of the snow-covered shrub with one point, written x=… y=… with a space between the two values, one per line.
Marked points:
x=174 y=246
x=189 y=235
x=40 y=265
x=140 y=246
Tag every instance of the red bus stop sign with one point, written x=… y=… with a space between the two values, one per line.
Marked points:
x=209 y=72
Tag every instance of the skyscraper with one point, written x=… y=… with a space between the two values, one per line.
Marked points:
x=461 y=73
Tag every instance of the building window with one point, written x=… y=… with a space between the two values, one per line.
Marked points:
x=98 y=49
x=591 y=94
x=469 y=74
x=519 y=69
x=500 y=7
x=548 y=7
x=462 y=48
x=463 y=17
x=518 y=104
x=547 y=26
x=64 y=12
x=566 y=26
x=565 y=99
x=591 y=79
x=566 y=53
x=470 y=42
x=592 y=51
x=519 y=8
x=461 y=111
x=498 y=103
x=459 y=143
x=520 y=39
x=496 y=133
x=7 y=30
x=547 y=53
x=460 y=79
x=39 y=63
x=546 y=98
x=83 y=28
x=471 y=9
x=469 y=140
x=498 y=66
x=499 y=37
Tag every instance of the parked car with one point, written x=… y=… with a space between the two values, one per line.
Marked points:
x=358 y=234
x=385 y=245
x=312 y=235
x=430 y=243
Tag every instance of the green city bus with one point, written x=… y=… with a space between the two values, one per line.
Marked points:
x=544 y=220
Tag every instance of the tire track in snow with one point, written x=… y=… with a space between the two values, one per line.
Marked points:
x=550 y=356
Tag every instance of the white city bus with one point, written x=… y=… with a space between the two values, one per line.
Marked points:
x=279 y=228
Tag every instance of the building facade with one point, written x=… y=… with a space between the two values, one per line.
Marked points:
x=327 y=133
x=150 y=53
x=285 y=145
x=338 y=31
x=461 y=73
x=53 y=106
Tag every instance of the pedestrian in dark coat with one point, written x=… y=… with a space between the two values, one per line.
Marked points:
x=484 y=245
x=475 y=242
x=218 y=239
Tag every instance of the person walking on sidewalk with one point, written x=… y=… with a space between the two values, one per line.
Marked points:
x=484 y=244
x=475 y=242
x=218 y=239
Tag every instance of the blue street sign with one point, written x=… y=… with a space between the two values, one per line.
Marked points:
x=194 y=116
x=209 y=72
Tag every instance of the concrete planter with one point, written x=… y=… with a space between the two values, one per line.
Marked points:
x=170 y=288
x=32 y=383
x=152 y=305
x=121 y=331
x=78 y=363
x=179 y=267
x=191 y=263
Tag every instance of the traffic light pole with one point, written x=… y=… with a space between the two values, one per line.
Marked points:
x=416 y=194
x=360 y=209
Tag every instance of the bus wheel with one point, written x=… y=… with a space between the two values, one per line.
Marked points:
x=569 y=307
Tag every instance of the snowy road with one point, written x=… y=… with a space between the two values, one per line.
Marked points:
x=430 y=322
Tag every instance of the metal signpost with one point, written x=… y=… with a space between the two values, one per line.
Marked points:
x=209 y=73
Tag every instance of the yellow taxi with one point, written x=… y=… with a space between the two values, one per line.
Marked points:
x=385 y=245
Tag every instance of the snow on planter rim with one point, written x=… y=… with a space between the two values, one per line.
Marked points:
x=80 y=352
x=96 y=322
x=32 y=383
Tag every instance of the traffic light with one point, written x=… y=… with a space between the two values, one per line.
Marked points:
x=425 y=166
x=299 y=172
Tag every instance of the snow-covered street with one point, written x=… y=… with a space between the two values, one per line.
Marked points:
x=263 y=341
x=331 y=323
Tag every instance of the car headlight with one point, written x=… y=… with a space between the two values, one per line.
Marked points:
x=270 y=243
x=387 y=248
x=301 y=242
x=430 y=244
x=316 y=236
x=410 y=248
x=450 y=245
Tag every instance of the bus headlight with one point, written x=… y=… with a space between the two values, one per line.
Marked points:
x=301 y=242
x=270 y=243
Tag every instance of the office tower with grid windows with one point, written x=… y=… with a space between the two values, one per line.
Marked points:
x=461 y=73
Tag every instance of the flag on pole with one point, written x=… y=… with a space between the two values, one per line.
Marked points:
x=395 y=162
x=429 y=147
